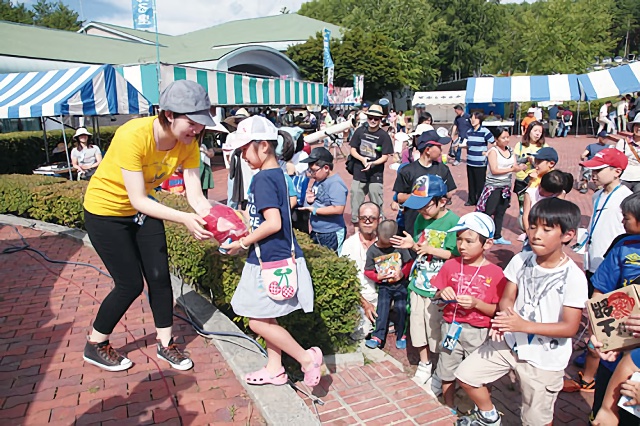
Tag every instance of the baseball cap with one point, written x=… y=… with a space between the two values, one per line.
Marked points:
x=254 y=128
x=458 y=107
x=188 y=98
x=317 y=154
x=608 y=157
x=476 y=221
x=401 y=137
x=425 y=188
x=603 y=134
x=546 y=154
x=431 y=137
x=421 y=128
x=530 y=110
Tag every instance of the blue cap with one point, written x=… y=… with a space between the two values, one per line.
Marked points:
x=546 y=154
x=603 y=134
x=425 y=188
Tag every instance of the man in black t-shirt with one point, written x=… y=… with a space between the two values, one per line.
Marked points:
x=430 y=147
x=370 y=146
x=461 y=126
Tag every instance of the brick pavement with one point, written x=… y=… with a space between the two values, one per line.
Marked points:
x=45 y=317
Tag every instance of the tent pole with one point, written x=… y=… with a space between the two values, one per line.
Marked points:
x=66 y=148
x=44 y=136
x=593 y=129
x=578 y=118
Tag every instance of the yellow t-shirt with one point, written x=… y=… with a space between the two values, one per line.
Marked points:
x=134 y=148
x=525 y=151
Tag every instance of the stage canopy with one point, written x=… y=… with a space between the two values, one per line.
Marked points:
x=83 y=91
x=616 y=81
x=226 y=88
x=425 y=99
x=559 y=87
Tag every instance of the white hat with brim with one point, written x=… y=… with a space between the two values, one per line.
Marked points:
x=374 y=111
x=81 y=131
x=402 y=137
x=217 y=128
x=631 y=124
x=255 y=128
x=478 y=222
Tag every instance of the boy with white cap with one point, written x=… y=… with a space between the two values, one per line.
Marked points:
x=471 y=286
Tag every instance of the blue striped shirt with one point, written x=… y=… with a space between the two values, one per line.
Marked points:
x=477 y=141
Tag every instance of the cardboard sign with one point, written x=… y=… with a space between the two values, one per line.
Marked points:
x=608 y=313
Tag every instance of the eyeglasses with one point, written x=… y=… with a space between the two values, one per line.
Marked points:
x=313 y=171
x=368 y=219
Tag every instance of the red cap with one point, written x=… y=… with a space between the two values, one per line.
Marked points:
x=608 y=157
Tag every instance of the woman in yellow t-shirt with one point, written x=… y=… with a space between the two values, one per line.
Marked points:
x=532 y=141
x=126 y=226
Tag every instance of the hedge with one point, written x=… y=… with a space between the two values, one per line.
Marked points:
x=22 y=152
x=336 y=285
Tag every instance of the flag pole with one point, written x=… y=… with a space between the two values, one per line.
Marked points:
x=155 y=19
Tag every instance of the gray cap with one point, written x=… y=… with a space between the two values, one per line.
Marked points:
x=189 y=98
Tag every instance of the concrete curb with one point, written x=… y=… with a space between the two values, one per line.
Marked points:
x=279 y=405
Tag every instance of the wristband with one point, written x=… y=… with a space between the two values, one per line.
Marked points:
x=315 y=209
x=242 y=245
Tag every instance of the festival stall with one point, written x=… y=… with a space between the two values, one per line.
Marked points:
x=610 y=82
x=439 y=104
x=225 y=88
x=84 y=91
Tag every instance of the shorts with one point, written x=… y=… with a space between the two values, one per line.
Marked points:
x=471 y=338
x=424 y=321
x=539 y=387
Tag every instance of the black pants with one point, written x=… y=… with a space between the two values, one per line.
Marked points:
x=129 y=252
x=497 y=207
x=476 y=177
x=387 y=293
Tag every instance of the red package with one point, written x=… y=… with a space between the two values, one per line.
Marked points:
x=225 y=222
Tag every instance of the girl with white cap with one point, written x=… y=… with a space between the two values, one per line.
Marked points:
x=85 y=157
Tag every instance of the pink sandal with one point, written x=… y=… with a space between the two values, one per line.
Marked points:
x=312 y=375
x=262 y=377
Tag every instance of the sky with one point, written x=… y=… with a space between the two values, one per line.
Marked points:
x=182 y=16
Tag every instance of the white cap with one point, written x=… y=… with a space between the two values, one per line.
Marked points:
x=532 y=109
x=255 y=128
x=476 y=221
x=421 y=128
x=401 y=137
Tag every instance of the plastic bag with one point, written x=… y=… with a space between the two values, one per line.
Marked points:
x=225 y=223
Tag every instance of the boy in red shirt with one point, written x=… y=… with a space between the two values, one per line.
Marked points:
x=471 y=287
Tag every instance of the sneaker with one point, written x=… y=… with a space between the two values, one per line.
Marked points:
x=372 y=343
x=502 y=241
x=174 y=356
x=402 y=343
x=104 y=356
x=435 y=385
x=423 y=373
x=475 y=418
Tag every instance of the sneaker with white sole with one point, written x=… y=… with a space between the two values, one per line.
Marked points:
x=104 y=356
x=423 y=373
x=475 y=418
x=435 y=384
x=174 y=356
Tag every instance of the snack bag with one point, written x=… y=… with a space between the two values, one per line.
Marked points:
x=225 y=223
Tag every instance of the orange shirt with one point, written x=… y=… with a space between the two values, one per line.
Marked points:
x=526 y=121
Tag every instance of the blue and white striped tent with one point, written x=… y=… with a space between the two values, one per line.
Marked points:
x=560 y=87
x=88 y=91
x=612 y=82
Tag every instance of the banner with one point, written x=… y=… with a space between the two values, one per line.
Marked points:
x=342 y=96
x=328 y=62
x=358 y=88
x=143 y=14
x=330 y=80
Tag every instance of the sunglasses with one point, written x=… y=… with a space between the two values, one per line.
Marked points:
x=367 y=219
x=374 y=118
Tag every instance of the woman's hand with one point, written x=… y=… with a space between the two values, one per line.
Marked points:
x=195 y=225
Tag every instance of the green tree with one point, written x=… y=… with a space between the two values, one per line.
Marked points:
x=540 y=39
x=15 y=13
x=358 y=52
x=44 y=13
x=626 y=26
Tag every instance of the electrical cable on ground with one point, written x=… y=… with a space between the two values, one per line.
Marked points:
x=26 y=247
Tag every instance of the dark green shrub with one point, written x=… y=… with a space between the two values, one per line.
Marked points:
x=336 y=285
x=22 y=152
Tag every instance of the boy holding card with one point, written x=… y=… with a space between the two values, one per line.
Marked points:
x=471 y=286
